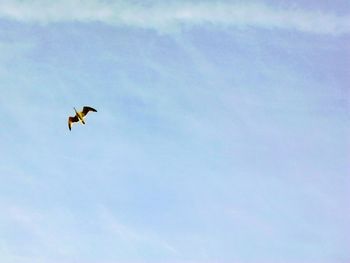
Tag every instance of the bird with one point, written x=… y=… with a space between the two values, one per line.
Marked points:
x=79 y=116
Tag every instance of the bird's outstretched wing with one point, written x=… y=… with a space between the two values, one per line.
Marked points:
x=86 y=109
x=71 y=120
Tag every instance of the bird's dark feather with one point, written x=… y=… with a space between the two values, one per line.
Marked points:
x=86 y=109
x=71 y=120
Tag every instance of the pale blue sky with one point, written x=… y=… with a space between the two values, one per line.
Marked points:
x=222 y=132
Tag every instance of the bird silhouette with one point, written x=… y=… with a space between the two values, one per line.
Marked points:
x=79 y=116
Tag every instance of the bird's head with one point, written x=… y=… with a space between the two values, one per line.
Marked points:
x=75 y=110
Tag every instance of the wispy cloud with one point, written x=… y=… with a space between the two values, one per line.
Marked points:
x=133 y=236
x=167 y=17
x=41 y=227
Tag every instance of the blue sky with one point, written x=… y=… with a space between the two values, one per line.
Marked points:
x=222 y=132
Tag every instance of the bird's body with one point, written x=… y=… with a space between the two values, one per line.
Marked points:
x=79 y=116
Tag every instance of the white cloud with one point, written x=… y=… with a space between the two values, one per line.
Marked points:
x=165 y=17
x=132 y=235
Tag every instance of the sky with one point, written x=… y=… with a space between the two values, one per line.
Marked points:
x=222 y=131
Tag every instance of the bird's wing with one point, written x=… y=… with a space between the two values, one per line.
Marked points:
x=71 y=120
x=86 y=109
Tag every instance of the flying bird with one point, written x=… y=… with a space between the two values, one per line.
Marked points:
x=79 y=116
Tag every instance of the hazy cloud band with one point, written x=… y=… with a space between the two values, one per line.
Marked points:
x=166 y=17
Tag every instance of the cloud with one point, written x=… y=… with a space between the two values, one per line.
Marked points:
x=20 y=223
x=131 y=235
x=167 y=17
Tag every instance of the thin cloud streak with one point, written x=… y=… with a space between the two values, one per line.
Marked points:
x=170 y=17
x=132 y=236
